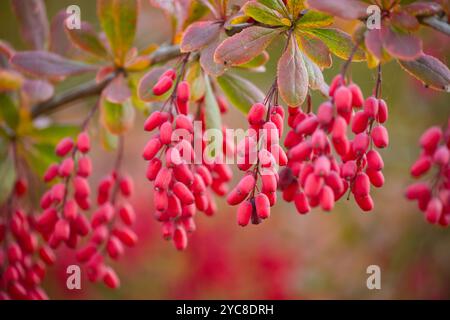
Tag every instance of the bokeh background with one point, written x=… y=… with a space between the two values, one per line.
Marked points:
x=317 y=256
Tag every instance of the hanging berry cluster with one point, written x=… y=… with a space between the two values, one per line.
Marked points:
x=259 y=154
x=22 y=260
x=111 y=222
x=63 y=219
x=324 y=162
x=181 y=178
x=433 y=197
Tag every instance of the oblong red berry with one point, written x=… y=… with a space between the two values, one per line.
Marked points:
x=110 y=278
x=83 y=142
x=357 y=96
x=153 y=168
x=151 y=148
x=360 y=122
x=163 y=179
x=371 y=107
x=430 y=138
x=441 y=156
x=84 y=167
x=380 y=137
x=307 y=126
x=313 y=185
x=421 y=166
x=114 y=247
x=343 y=99
x=81 y=187
x=434 y=210
x=51 y=173
x=262 y=206
x=127 y=214
x=183 y=193
x=162 y=86
x=376 y=177
x=126 y=186
x=180 y=238
x=268 y=182
x=66 y=167
x=326 y=198
x=325 y=113
x=244 y=213
x=322 y=166
x=64 y=147
x=126 y=235
x=246 y=184
x=361 y=143
x=183 y=91
x=365 y=202
x=374 y=160
x=160 y=200
x=301 y=152
x=337 y=81
x=361 y=185
x=382 y=111
x=165 y=133
x=184 y=122
x=155 y=120
x=301 y=203
x=257 y=114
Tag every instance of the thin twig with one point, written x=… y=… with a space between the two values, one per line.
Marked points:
x=437 y=24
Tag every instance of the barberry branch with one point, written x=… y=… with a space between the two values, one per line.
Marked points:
x=92 y=88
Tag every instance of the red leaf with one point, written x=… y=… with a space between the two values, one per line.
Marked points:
x=422 y=8
x=33 y=22
x=401 y=45
x=245 y=45
x=404 y=20
x=37 y=90
x=117 y=91
x=207 y=59
x=59 y=40
x=198 y=35
x=432 y=72
x=346 y=9
x=374 y=43
x=47 y=64
x=292 y=75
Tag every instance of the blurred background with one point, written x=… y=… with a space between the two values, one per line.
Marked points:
x=317 y=256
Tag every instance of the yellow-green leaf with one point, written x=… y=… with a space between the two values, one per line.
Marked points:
x=315 y=49
x=239 y=91
x=263 y=14
x=7 y=175
x=86 y=39
x=295 y=7
x=118 y=19
x=338 y=42
x=9 y=111
x=117 y=118
x=10 y=80
x=196 y=81
x=314 y=19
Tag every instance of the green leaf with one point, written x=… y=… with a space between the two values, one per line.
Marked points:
x=258 y=61
x=292 y=75
x=212 y=111
x=53 y=133
x=263 y=14
x=432 y=72
x=7 y=176
x=39 y=156
x=314 y=19
x=86 y=39
x=108 y=140
x=117 y=118
x=295 y=7
x=33 y=22
x=315 y=49
x=338 y=42
x=196 y=81
x=118 y=19
x=199 y=35
x=9 y=111
x=277 y=5
x=239 y=91
x=315 y=76
x=245 y=45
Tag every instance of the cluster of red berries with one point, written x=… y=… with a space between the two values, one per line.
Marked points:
x=22 y=261
x=317 y=176
x=180 y=176
x=433 y=197
x=259 y=153
x=111 y=223
x=63 y=219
